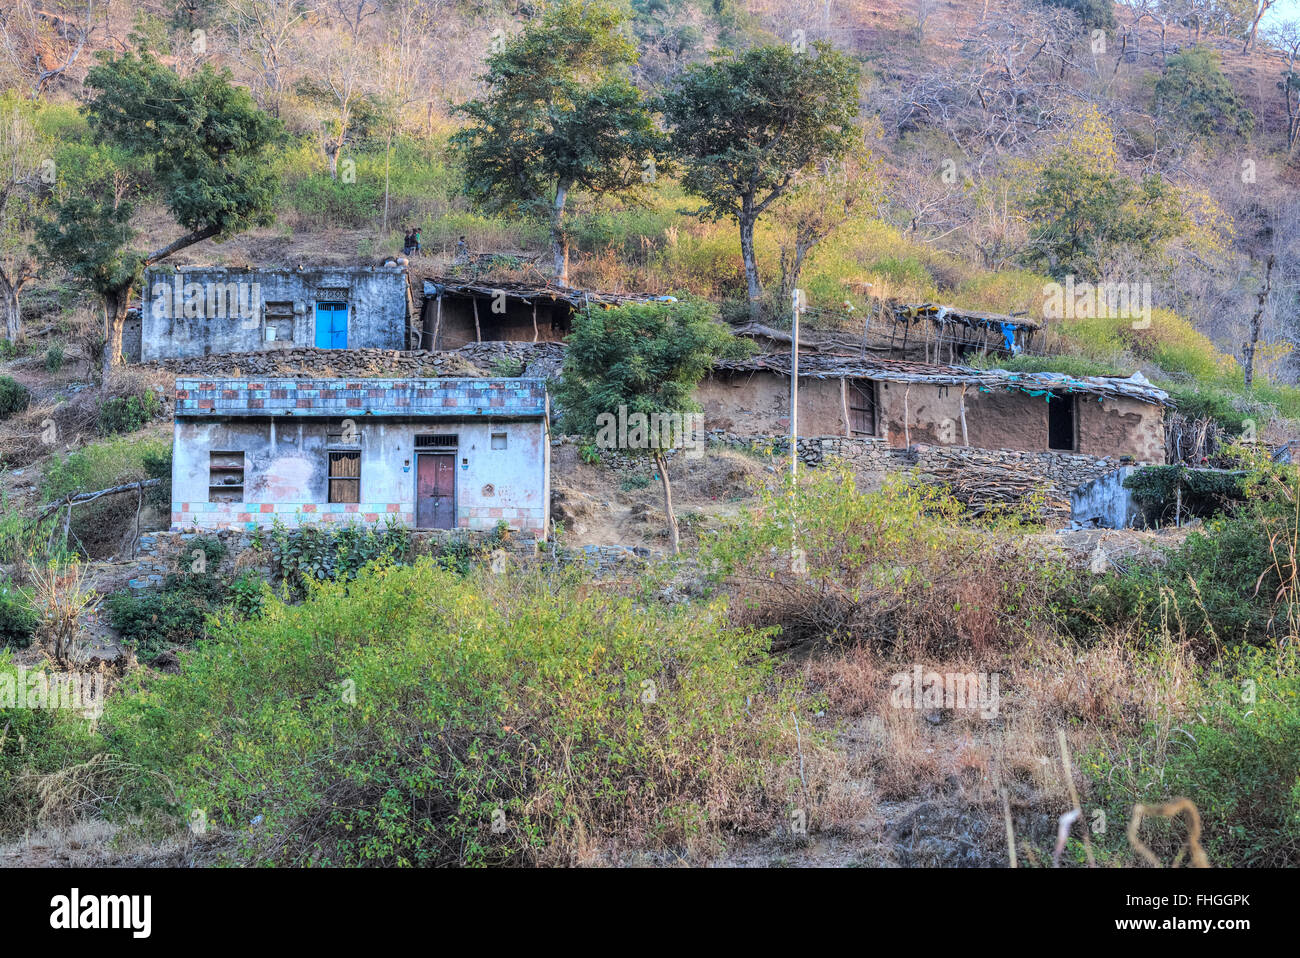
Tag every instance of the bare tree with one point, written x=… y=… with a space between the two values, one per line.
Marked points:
x=1287 y=39
x=1261 y=7
x=265 y=43
x=1257 y=322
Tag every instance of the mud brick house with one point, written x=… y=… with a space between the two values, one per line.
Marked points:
x=202 y=311
x=456 y=313
x=427 y=453
x=903 y=403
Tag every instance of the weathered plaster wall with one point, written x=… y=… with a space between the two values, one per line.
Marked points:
x=287 y=469
x=376 y=296
x=757 y=404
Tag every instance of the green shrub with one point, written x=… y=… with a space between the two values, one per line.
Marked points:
x=152 y=620
x=54 y=357
x=1093 y=13
x=17 y=619
x=128 y=413
x=158 y=465
x=1229 y=582
x=314 y=554
x=14 y=397
x=1237 y=757
x=1160 y=490
x=413 y=717
x=248 y=594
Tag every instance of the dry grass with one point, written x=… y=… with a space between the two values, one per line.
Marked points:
x=962 y=760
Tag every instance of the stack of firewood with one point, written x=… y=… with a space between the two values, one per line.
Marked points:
x=982 y=490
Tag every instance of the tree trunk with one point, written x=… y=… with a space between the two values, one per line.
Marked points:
x=559 y=239
x=115 y=305
x=13 y=317
x=1256 y=324
x=755 y=290
x=661 y=463
x=1260 y=10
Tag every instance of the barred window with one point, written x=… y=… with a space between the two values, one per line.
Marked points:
x=345 y=476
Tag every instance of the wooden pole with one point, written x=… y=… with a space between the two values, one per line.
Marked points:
x=478 y=333
x=535 y=321
x=965 y=439
x=139 y=504
x=907 y=433
x=437 y=323
x=844 y=406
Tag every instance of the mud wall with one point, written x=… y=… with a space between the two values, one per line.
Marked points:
x=757 y=404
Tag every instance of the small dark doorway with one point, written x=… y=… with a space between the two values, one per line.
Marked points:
x=1060 y=423
x=435 y=491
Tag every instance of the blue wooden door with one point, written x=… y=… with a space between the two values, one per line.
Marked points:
x=332 y=325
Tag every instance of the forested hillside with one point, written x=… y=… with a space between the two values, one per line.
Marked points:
x=712 y=658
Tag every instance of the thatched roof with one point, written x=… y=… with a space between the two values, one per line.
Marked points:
x=530 y=292
x=823 y=366
x=955 y=316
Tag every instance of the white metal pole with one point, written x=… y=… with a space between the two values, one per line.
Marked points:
x=794 y=381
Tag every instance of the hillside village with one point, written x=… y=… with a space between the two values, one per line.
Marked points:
x=347 y=399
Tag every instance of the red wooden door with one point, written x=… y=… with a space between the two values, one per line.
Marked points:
x=435 y=491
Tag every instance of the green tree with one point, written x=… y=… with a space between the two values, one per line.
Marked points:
x=1082 y=207
x=22 y=155
x=560 y=114
x=1194 y=89
x=1096 y=14
x=641 y=360
x=198 y=141
x=746 y=125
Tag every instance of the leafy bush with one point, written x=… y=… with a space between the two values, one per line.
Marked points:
x=1193 y=88
x=1198 y=492
x=1099 y=14
x=248 y=594
x=314 y=554
x=17 y=619
x=1233 y=581
x=413 y=717
x=153 y=620
x=14 y=397
x=54 y=357
x=1237 y=756
x=158 y=465
x=124 y=414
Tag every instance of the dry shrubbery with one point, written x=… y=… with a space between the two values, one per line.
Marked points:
x=894 y=568
x=54 y=426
